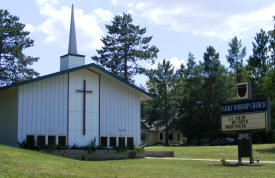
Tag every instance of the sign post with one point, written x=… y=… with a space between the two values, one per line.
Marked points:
x=244 y=117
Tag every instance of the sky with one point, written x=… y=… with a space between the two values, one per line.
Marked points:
x=177 y=26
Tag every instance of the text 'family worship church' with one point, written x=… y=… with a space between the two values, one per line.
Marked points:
x=78 y=105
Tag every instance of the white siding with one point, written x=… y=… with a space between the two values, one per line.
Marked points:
x=42 y=107
x=119 y=109
x=76 y=136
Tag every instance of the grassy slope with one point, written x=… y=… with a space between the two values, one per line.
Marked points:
x=16 y=162
x=264 y=151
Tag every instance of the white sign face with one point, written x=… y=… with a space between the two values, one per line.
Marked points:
x=240 y=122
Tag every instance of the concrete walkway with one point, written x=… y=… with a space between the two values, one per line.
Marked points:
x=213 y=160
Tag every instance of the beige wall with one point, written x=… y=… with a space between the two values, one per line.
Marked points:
x=8 y=116
x=175 y=138
x=154 y=137
x=150 y=137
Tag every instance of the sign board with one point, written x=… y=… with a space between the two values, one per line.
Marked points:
x=250 y=121
x=245 y=106
x=243 y=90
x=245 y=115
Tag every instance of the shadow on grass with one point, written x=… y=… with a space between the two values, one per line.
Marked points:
x=266 y=150
x=237 y=165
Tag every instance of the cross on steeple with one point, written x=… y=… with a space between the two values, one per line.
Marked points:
x=84 y=91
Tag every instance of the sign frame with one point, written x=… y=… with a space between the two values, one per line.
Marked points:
x=247 y=107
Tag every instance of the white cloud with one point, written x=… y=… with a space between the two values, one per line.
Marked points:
x=56 y=25
x=222 y=19
x=176 y=62
x=29 y=28
x=132 y=12
x=104 y=15
x=42 y=2
x=142 y=5
x=114 y=2
x=241 y=23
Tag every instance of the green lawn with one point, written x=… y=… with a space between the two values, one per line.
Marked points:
x=264 y=151
x=15 y=162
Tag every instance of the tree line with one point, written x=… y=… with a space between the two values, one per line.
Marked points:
x=191 y=95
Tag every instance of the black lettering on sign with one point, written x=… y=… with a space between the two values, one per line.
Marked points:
x=229 y=126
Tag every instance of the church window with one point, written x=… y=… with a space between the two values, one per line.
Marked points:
x=103 y=141
x=51 y=140
x=62 y=140
x=161 y=136
x=143 y=136
x=41 y=140
x=130 y=141
x=121 y=141
x=113 y=141
x=178 y=137
x=170 y=136
x=30 y=140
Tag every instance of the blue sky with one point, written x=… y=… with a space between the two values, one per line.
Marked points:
x=177 y=26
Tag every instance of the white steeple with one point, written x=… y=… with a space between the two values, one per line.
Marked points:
x=72 y=59
x=72 y=39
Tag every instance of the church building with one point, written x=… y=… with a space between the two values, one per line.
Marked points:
x=75 y=106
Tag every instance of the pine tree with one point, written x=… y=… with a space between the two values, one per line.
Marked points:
x=235 y=57
x=161 y=109
x=216 y=89
x=124 y=46
x=272 y=45
x=188 y=98
x=14 y=64
x=258 y=63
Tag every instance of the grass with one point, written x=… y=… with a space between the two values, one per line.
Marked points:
x=15 y=162
x=264 y=151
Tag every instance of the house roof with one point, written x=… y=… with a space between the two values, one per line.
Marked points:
x=156 y=126
x=16 y=84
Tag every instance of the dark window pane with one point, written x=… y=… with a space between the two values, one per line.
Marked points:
x=103 y=141
x=170 y=136
x=30 y=140
x=178 y=137
x=161 y=136
x=130 y=141
x=51 y=140
x=121 y=141
x=143 y=136
x=41 y=140
x=112 y=141
x=62 y=140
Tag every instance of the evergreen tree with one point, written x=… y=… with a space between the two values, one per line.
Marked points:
x=258 y=63
x=161 y=109
x=235 y=58
x=272 y=45
x=14 y=64
x=123 y=46
x=216 y=91
x=188 y=96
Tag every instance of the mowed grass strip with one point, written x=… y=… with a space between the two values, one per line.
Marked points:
x=265 y=151
x=16 y=162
